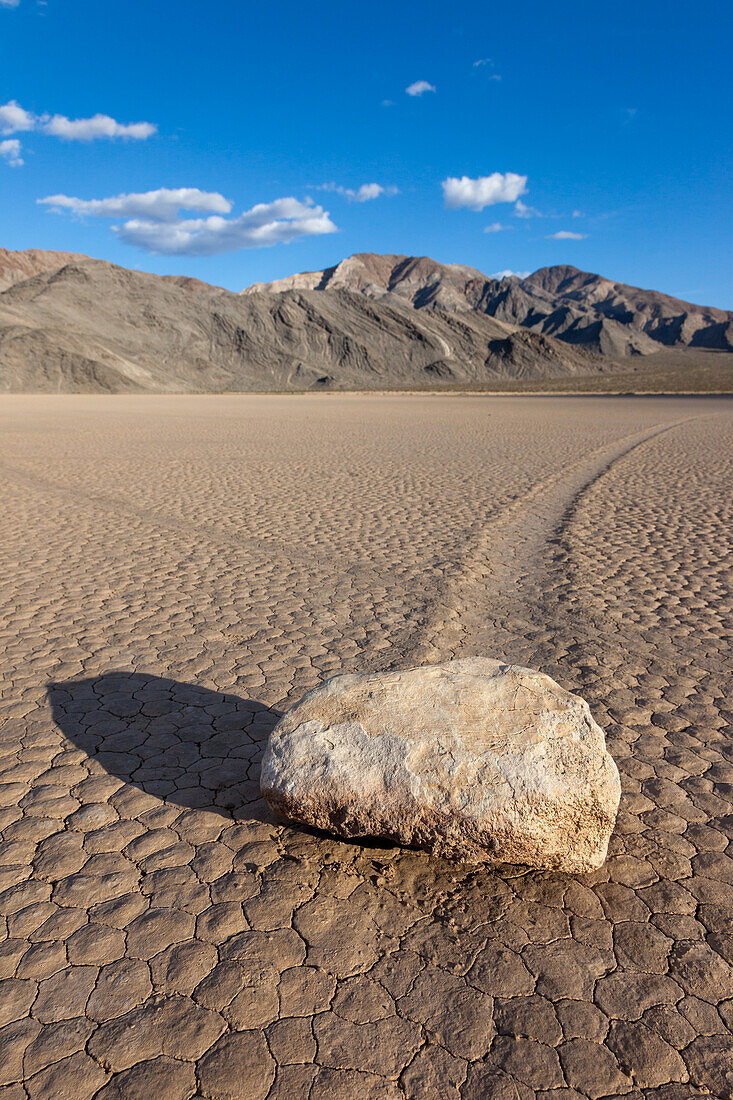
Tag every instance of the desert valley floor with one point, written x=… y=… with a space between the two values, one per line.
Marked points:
x=175 y=571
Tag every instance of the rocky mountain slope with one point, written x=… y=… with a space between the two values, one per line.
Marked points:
x=188 y=282
x=92 y=326
x=574 y=306
x=15 y=267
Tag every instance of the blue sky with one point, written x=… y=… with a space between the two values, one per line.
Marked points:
x=609 y=126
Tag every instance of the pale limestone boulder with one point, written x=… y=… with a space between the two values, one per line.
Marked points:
x=474 y=760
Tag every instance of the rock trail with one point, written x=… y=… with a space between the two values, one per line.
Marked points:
x=513 y=546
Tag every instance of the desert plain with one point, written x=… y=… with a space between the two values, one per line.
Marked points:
x=176 y=571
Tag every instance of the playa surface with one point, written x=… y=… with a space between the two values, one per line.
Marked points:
x=175 y=571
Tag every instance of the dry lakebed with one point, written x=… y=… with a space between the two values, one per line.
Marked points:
x=177 y=571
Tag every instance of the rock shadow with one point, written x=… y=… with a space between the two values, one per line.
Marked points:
x=186 y=744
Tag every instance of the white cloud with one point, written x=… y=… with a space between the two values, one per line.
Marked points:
x=420 y=87
x=10 y=151
x=508 y=274
x=266 y=224
x=99 y=126
x=9 y=3
x=153 y=222
x=15 y=119
x=523 y=211
x=578 y=214
x=484 y=191
x=365 y=193
x=496 y=227
x=162 y=205
x=566 y=235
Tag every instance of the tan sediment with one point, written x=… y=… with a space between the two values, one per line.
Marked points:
x=176 y=571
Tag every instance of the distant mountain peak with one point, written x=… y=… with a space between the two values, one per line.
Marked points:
x=575 y=306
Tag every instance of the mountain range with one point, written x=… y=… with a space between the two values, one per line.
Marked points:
x=90 y=325
x=73 y=324
x=575 y=306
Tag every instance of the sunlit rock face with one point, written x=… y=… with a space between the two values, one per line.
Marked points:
x=474 y=760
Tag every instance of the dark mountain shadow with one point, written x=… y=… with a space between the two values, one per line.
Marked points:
x=182 y=743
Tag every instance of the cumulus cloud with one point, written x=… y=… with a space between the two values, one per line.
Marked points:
x=99 y=126
x=154 y=221
x=365 y=193
x=484 y=191
x=10 y=151
x=496 y=227
x=508 y=274
x=278 y=222
x=15 y=119
x=162 y=205
x=566 y=235
x=9 y=3
x=420 y=87
x=523 y=211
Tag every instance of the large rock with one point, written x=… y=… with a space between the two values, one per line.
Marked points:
x=474 y=760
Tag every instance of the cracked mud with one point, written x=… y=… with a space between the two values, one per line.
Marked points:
x=174 y=572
